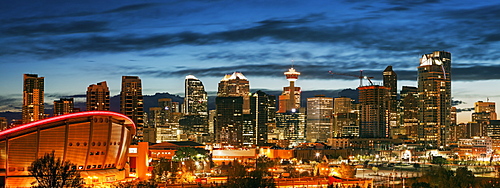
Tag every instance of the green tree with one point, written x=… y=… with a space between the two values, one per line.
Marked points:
x=421 y=185
x=241 y=176
x=375 y=169
x=439 y=160
x=441 y=177
x=189 y=153
x=437 y=176
x=346 y=171
x=463 y=178
x=141 y=184
x=161 y=167
x=51 y=172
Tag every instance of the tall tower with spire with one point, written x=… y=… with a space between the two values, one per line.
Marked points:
x=290 y=98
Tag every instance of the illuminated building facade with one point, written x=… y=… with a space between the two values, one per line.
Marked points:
x=409 y=111
x=391 y=82
x=229 y=120
x=33 y=98
x=98 y=97
x=236 y=85
x=163 y=123
x=319 y=119
x=3 y=123
x=195 y=97
x=493 y=131
x=290 y=98
x=373 y=102
x=96 y=141
x=63 y=106
x=434 y=91
x=291 y=126
x=484 y=112
x=233 y=111
x=131 y=102
x=345 y=118
x=262 y=114
x=195 y=108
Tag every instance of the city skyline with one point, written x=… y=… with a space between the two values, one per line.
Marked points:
x=74 y=45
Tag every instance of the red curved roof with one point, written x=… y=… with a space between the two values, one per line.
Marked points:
x=67 y=116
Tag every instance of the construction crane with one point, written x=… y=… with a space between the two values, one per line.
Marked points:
x=361 y=77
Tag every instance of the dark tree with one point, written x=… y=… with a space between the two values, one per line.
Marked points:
x=420 y=185
x=463 y=178
x=55 y=173
x=255 y=175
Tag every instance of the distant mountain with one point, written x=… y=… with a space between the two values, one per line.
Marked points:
x=149 y=101
x=152 y=100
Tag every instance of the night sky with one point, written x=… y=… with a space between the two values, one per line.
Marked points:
x=77 y=43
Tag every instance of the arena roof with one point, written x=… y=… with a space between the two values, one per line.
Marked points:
x=19 y=128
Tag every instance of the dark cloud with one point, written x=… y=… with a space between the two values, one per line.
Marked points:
x=54 y=16
x=75 y=96
x=10 y=104
x=59 y=95
x=57 y=28
x=491 y=13
x=412 y=2
x=134 y=7
x=397 y=8
x=308 y=69
x=456 y=102
x=464 y=110
x=378 y=37
x=4 y=99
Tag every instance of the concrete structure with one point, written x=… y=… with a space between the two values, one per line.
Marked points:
x=131 y=102
x=290 y=98
x=33 y=98
x=434 y=91
x=98 y=97
x=97 y=142
x=374 y=112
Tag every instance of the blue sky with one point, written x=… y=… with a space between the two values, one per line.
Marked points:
x=77 y=43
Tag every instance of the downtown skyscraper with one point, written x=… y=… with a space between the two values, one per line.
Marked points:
x=434 y=91
x=263 y=109
x=131 y=102
x=195 y=97
x=232 y=103
x=391 y=82
x=373 y=101
x=195 y=108
x=33 y=98
x=98 y=97
x=319 y=119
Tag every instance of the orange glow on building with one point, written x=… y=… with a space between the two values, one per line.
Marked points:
x=96 y=141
